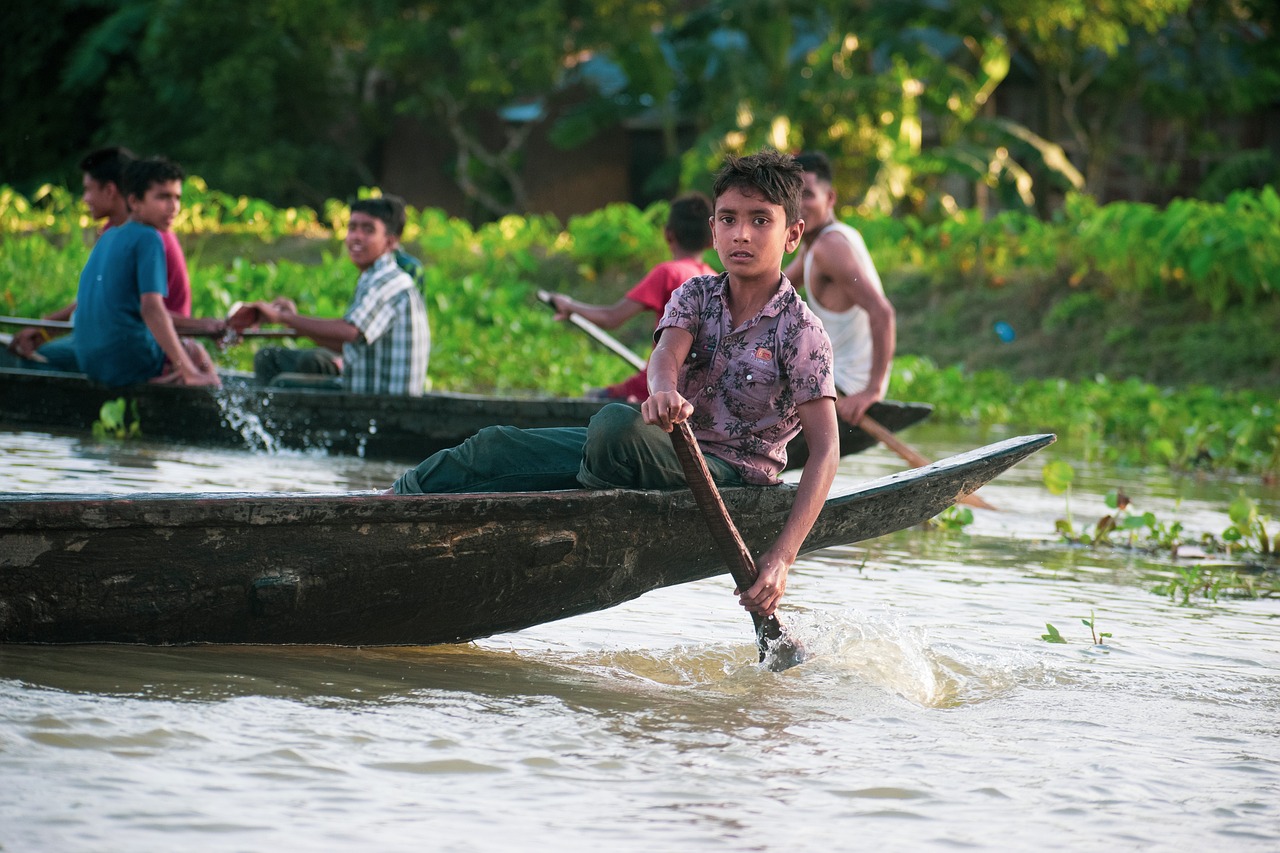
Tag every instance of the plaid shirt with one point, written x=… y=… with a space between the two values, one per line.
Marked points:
x=745 y=383
x=391 y=354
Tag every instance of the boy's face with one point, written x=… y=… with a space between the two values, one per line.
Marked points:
x=751 y=235
x=100 y=198
x=367 y=239
x=816 y=202
x=158 y=206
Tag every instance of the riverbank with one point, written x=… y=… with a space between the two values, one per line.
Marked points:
x=1039 y=328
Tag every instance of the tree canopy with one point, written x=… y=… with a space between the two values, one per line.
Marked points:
x=294 y=100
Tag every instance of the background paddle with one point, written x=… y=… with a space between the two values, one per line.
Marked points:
x=770 y=635
x=868 y=424
x=68 y=326
x=880 y=433
x=600 y=336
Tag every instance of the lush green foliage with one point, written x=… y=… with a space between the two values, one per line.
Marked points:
x=1128 y=422
x=1219 y=254
x=490 y=333
x=299 y=100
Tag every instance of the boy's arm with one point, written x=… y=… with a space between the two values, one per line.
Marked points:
x=157 y=318
x=207 y=326
x=26 y=341
x=606 y=316
x=328 y=332
x=818 y=421
x=854 y=275
x=665 y=405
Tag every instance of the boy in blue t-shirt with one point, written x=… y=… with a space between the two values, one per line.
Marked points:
x=124 y=333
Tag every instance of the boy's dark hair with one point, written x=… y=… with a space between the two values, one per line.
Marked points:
x=142 y=175
x=690 y=221
x=769 y=174
x=816 y=162
x=106 y=165
x=388 y=208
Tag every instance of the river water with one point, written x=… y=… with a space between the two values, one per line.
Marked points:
x=933 y=716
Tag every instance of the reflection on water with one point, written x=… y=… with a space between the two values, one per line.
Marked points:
x=931 y=715
x=39 y=462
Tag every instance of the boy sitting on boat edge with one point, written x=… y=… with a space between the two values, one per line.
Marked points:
x=738 y=355
x=381 y=344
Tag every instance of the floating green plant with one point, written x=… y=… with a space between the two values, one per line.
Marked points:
x=953 y=519
x=1052 y=635
x=118 y=419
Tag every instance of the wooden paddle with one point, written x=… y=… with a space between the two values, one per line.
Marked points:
x=880 y=433
x=600 y=336
x=66 y=325
x=770 y=635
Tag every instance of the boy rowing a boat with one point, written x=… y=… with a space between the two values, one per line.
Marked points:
x=738 y=355
x=124 y=333
x=688 y=236
x=382 y=344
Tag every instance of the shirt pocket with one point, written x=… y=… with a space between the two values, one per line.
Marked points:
x=754 y=385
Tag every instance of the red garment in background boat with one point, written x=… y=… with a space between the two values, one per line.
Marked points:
x=653 y=292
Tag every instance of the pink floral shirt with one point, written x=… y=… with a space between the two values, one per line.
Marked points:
x=746 y=383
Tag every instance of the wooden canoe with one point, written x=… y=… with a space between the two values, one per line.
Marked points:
x=363 y=569
x=249 y=416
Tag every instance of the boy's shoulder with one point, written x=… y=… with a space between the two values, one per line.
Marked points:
x=127 y=234
x=705 y=284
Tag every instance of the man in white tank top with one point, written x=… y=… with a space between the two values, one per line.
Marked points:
x=843 y=289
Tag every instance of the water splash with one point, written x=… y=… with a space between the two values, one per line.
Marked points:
x=907 y=661
x=842 y=648
x=235 y=405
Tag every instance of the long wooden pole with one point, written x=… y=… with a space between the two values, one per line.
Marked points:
x=776 y=645
x=880 y=433
x=598 y=334
x=67 y=326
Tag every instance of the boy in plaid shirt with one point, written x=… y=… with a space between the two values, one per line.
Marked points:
x=383 y=338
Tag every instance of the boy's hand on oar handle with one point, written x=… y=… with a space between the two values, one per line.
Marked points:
x=558 y=303
x=26 y=341
x=242 y=317
x=851 y=408
x=665 y=409
x=771 y=584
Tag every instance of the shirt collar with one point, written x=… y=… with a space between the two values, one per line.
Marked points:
x=380 y=264
x=775 y=306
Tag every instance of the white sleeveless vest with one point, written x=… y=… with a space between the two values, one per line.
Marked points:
x=850 y=331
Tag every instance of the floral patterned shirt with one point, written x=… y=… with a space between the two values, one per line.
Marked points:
x=746 y=383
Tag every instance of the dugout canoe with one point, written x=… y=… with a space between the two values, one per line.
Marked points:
x=243 y=415
x=363 y=569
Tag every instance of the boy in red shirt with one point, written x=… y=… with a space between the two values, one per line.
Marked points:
x=688 y=235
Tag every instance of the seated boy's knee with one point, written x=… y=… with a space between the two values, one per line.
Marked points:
x=617 y=421
x=265 y=364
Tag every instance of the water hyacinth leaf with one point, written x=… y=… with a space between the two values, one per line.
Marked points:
x=1058 y=476
x=1052 y=635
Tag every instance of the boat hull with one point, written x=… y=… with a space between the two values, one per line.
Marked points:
x=249 y=416
x=363 y=569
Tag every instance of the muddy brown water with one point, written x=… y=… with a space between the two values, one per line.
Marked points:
x=932 y=716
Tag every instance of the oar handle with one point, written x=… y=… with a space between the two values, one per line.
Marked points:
x=34 y=323
x=880 y=433
x=725 y=533
x=600 y=335
x=67 y=325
